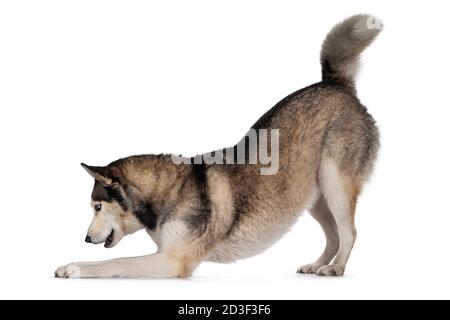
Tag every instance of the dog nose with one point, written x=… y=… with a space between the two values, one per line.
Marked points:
x=88 y=239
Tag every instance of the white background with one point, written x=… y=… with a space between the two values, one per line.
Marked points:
x=94 y=81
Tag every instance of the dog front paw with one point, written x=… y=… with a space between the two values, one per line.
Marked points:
x=69 y=271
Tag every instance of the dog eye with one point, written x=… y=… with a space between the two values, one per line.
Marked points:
x=98 y=207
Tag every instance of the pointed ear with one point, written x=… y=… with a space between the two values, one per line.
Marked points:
x=107 y=176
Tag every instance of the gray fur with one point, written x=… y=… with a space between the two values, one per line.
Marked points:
x=343 y=46
x=224 y=212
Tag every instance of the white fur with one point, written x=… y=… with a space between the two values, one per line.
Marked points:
x=168 y=234
x=332 y=184
x=70 y=271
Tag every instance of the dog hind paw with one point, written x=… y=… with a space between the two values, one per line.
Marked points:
x=309 y=268
x=331 y=271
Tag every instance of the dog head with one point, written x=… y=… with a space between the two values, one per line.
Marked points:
x=113 y=208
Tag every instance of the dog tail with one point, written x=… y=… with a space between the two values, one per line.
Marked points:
x=343 y=45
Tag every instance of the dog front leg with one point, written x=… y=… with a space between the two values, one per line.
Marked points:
x=155 y=265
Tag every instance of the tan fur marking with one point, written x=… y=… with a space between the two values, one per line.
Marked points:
x=328 y=144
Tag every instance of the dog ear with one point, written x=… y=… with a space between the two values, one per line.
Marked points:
x=107 y=176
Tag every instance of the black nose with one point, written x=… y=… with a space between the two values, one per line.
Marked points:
x=88 y=239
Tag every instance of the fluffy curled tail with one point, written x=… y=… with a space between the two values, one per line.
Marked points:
x=343 y=45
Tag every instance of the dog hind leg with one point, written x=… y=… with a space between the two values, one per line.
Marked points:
x=340 y=192
x=322 y=214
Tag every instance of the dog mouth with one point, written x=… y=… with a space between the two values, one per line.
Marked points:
x=109 y=240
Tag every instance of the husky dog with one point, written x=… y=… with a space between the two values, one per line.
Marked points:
x=328 y=143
